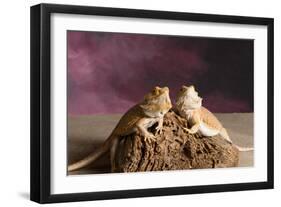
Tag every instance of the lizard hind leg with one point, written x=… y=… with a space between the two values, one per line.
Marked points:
x=113 y=150
x=225 y=135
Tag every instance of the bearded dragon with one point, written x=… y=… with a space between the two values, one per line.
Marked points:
x=189 y=106
x=139 y=118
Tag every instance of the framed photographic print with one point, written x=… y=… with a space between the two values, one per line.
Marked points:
x=132 y=103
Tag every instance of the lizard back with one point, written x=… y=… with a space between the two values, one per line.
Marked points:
x=128 y=121
x=210 y=119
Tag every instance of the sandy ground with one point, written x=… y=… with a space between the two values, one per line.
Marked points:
x=86 y=133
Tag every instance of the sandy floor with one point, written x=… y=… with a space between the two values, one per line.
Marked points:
x=86 y=133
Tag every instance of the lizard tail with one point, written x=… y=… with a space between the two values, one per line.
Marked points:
x=225 y=135
x=244 y=149
x=91 y=157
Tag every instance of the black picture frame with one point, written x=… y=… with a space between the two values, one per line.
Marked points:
x=41 y=99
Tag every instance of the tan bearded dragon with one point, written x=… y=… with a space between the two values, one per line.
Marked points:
x=189 y=106
x=139 y=118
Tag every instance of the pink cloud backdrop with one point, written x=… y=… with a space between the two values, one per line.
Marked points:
x=110 y=72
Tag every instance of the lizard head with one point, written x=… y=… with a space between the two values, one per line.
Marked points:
x=157 y=103
x=188 y=98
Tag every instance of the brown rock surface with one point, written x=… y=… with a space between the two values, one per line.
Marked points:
x=174 y=149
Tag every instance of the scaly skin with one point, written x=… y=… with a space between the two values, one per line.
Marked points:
x=139 y=118
x=189 y=106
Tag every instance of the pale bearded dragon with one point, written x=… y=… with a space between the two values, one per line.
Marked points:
x=189 y=106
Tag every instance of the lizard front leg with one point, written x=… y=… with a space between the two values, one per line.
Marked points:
x=196 y=125
x=160 y=126
x=180 y=119
x=142 y=126
x=194 y=129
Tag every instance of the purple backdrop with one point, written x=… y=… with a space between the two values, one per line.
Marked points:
x=109 y=72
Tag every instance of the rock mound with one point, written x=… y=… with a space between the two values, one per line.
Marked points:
x=174 y=149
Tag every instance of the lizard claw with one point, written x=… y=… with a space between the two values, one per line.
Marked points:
x=180 y=119
x=159 y=129
x=186 y=130
x=149 y=137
